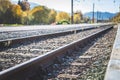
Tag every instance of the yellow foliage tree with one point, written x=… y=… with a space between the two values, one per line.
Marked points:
x=4 y=5
x=13 y=14
x=52 y=16
x=62 y=16
x=116 y=19
x=16 y=9
x=78 y=17
x=40 y=14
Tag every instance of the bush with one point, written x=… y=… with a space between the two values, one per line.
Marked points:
x=63 y=22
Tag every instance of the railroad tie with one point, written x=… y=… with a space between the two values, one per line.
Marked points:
x=68 y=76
x=79 y=64
x=86 y=57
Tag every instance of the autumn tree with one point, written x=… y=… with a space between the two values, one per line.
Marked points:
x=40 y=15
x=62 y=16
x=78 y=17
x=13 y=14
x=52 y=16
x=116 y=18
x=24 y=5
x=26 y=18
x=4 y=5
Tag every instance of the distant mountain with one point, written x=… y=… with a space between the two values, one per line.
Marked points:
x=101 y=15
x=32 y=4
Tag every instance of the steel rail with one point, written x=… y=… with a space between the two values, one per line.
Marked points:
x=29 y=68
x=12 y=41
x=36 y=27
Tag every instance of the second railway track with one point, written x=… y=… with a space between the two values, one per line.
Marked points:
x=27 y=51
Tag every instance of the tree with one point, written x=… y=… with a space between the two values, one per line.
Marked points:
x=86 y=19
x=4 y=5
x=13 y=14
x=116 y=18
x=24 y=5
x=62 y=16
x=27 y=17
x=40 y=14
x=78 y=17
x=52 y=16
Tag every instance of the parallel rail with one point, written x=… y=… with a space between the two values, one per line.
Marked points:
x=11 y=41
x=8 y=42
x=27 y=69
x=37 y=27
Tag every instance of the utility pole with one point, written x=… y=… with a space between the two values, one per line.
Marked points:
x=97 y=16
x=93 y=13
x=119 y=8
x=72 y=21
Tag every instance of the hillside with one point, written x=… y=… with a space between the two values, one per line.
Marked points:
x=101 y=15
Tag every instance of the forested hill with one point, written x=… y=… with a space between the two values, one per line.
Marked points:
x=100 y=15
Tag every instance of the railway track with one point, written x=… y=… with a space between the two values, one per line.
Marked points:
x=41 y=62
x=13 y=34
x=17 y=54
x=11 y=37
x=85 y=63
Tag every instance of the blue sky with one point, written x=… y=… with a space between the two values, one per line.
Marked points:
x=82 y=5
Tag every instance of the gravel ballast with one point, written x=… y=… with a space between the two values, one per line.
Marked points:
x=22 y=52
x=90 y=69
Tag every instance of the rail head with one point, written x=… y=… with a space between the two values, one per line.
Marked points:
x=36 y=27
x=8 y=42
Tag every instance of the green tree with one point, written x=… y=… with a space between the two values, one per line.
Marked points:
x=86 y=19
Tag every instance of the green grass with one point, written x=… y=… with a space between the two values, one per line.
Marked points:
x=6 y=25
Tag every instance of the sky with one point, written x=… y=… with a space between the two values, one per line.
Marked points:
x=80 y=5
